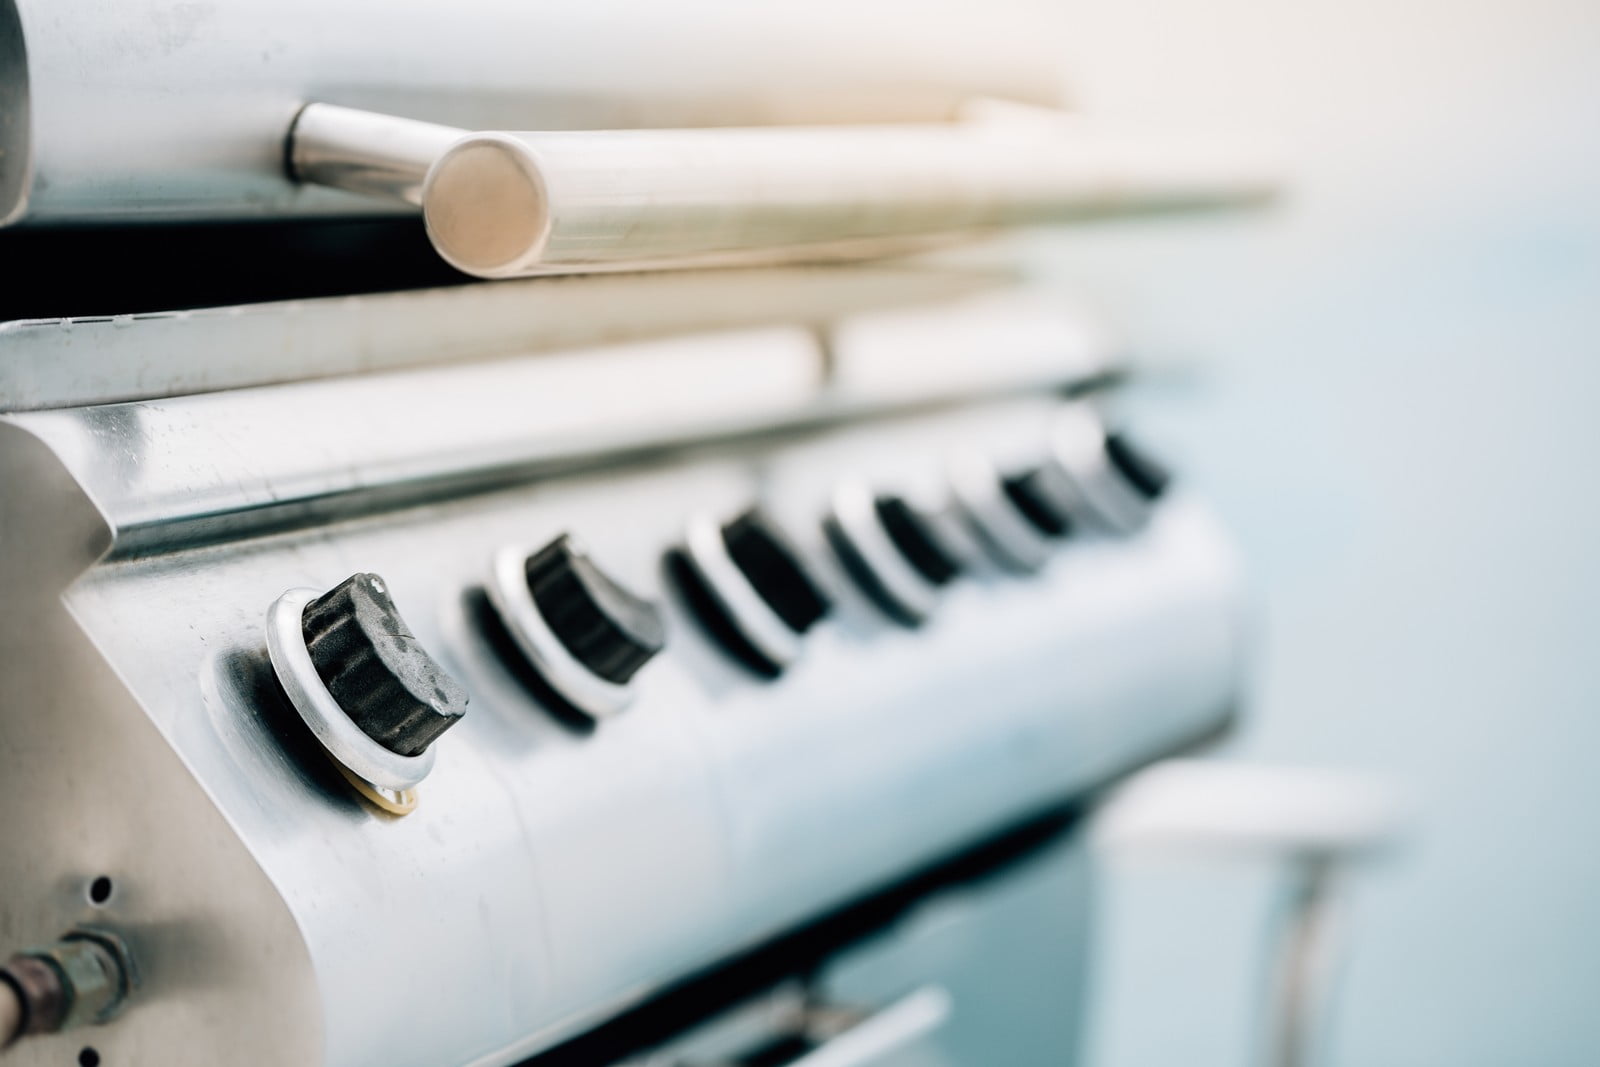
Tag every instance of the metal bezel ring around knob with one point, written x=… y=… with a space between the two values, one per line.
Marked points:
x=508 y=593
x=976 y=486
x=357 y=753
x=749 y=612
x=853 y=521
x=1077 y=447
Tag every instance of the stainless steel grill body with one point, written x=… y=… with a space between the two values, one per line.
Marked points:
x=580 y=853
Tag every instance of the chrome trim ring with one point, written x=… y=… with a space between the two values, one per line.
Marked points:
x=855 y=517
x=745 y=607
x=1078 y=447
x=338 y=733
x=1011 y=541
x=573 y=682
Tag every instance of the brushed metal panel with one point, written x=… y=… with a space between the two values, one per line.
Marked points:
x=52 y=363
x=177 y=471
x=151 y=109
x=92 y=787
x=551 y=877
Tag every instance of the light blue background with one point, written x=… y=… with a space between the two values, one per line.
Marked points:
x=1391 y=388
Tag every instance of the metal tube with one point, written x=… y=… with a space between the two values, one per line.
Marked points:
x=501 y=205
x=364 y=152
x=514 y=204
x=1304 y=953
x=82 y=979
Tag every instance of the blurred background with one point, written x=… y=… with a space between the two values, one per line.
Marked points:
x=1388 y=385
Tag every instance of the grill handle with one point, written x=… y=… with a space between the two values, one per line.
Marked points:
x=501 y=204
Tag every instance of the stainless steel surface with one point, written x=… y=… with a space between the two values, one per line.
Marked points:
x=896 y=1034
x=883 y=1034
x=1016 y=958
x=507 y=589
x=317 y=708
x=503 y=205
x=755 y=620
x=299 y=454
x=1010 y=960
x=1094 y=491
x=95 y=789
x=176 y=771
x=976 y=485
x=49 y=363
x=364 y=152
x=604 y=864
x=428 y=432
x=109 y=139
x=96 y=972
x=911 y=596
x=730 y=1034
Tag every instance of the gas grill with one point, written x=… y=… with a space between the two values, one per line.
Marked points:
x=686 y=629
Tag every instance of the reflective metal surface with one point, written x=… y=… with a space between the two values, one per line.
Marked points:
x=507 y=589
x=110 y=139
x=298 y=455
x=860 y=537
x=884 y=1033
x=364 y=152
x=503 y=205
x=48 y=363
x=976 y=485
x=94 y=788
x=756 y=621
x=551 y=876
x=1090 y=488
x=177 y=773
x=1018 y=960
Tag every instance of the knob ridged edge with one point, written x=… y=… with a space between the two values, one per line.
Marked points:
x=608 y=629
x=375 y=668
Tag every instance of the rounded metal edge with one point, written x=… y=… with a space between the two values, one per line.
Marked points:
x=744 y=605
x=16 y=137
x=339 y=735
x=507 y=590
x=856 y=518
x=528 y=163
x=975 y=484
x=1077 y=447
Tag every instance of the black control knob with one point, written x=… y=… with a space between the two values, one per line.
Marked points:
x=775 y=569
x=1037 y=495
x=605 y=627
x=374 y=667
x=914 y=535
x=1142 y=471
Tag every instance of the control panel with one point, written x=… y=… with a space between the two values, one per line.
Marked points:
x=510 y=750
x=377 y=700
